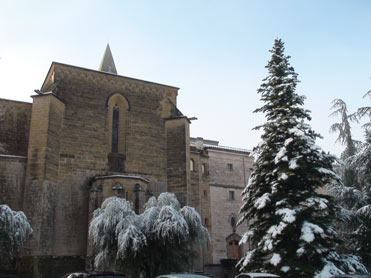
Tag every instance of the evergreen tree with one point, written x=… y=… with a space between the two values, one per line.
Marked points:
x=362 y=235
x=355 y=198
x=346 y=192
x=365 y=111
x=289 y=221
x=345 y=138
x=361 y=162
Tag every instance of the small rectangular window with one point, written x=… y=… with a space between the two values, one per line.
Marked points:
x=231 y=196
x=192 y=165
x=203 y=169
x=205 y=193
x=230 y=166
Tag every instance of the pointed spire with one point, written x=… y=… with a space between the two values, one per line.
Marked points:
x=107 y=64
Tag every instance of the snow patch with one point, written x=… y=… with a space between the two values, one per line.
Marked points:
x=365 y=211
x=262 y=201
x=281 y=156
x=248 y=257
x=293 y=164
x=326 y=171
x=308 y=230
x=246 y=236
x=320 y=202
x=300 y=251
x=276 y=259
x=297 y=132
x=328 y=270
x=288 y=215
x=283 y=176
x=288 y=141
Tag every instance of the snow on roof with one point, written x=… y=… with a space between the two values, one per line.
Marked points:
x=225 y=148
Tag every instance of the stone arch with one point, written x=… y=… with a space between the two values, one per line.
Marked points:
x=117 y=123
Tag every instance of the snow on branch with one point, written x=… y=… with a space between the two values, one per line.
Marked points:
x=14 y=230
x=120 y=236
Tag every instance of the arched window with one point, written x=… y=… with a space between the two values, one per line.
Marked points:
x=117 y=123
x=233 y=224
x=115 y=129
x=192 y=165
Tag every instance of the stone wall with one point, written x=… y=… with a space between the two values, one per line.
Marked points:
x=69 y=145
x=15 y=119
x=225 y=179
x=200 y=199
x=178 y=175
x=12 y=174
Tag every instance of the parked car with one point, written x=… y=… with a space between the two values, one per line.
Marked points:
x=352 y=276
x=181 y=275
x=257 y=275
x=4 y=275
x=95 y=274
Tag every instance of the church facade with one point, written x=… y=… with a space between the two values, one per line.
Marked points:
x=88 y=135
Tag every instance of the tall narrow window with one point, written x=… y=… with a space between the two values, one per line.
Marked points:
x=230 y=166
x=231 y=196
x=115 y=129
x=192 y=165
x=233 y=224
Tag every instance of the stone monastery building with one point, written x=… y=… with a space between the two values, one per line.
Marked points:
x=91 y=134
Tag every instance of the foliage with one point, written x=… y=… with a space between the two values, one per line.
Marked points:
x=155 y=242
x=355 y=197
x=289 y=221
x=365 y=111
x=14 y=231
x=349 y=175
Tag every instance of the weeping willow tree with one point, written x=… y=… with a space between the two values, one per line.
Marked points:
x=14 y=231
x=158 y=241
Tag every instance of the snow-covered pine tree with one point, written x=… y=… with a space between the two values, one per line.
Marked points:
x=361 y=162
x=346 y=192
x=362 y=235
x=289 y=222
x=339 y=108
x=365 y=111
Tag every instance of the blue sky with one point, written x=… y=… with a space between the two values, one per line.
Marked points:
x=215 y=51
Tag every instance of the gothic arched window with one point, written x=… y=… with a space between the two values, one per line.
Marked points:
x=115 y=129
x=117 y=123
x=233 y=224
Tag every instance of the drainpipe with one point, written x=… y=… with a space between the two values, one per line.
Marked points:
x=244 y=171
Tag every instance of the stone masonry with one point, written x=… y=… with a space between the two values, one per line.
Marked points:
x=89 y=135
